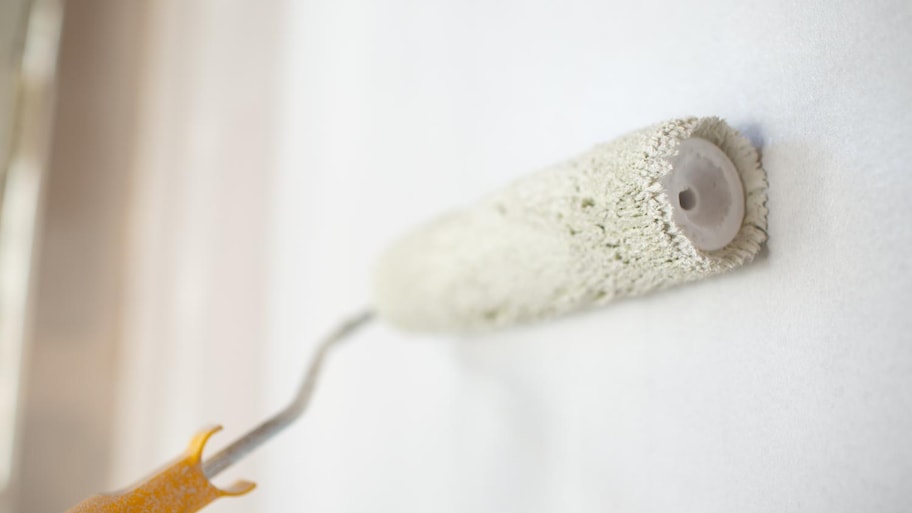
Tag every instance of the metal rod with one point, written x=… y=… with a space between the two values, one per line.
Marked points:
x=259 y=435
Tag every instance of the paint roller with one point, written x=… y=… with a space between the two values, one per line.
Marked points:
x=668 y=204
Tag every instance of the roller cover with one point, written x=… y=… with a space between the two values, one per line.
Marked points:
x=579 y=234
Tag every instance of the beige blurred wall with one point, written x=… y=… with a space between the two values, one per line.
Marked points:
x=12 y=18
x=151 y=292
x=12 y=35
x=70 y=387
x=197 y=309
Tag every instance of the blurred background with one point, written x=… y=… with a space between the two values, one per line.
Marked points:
x=194 y=191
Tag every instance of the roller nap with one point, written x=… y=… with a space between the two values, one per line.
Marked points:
x=668 y=204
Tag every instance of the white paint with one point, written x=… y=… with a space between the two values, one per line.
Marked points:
x=786 y=386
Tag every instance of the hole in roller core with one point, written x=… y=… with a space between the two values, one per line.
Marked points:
x=687 y=199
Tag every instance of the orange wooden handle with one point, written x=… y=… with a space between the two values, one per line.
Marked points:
x=180 y=487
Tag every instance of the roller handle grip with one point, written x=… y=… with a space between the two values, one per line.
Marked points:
x=179 y=487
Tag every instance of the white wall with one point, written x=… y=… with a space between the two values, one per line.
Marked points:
x=786 y=386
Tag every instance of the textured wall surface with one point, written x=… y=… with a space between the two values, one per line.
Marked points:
x=785 y=386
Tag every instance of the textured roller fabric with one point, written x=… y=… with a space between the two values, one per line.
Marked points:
x=582 y=233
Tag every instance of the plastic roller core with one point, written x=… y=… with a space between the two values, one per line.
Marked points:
x=707 y=194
